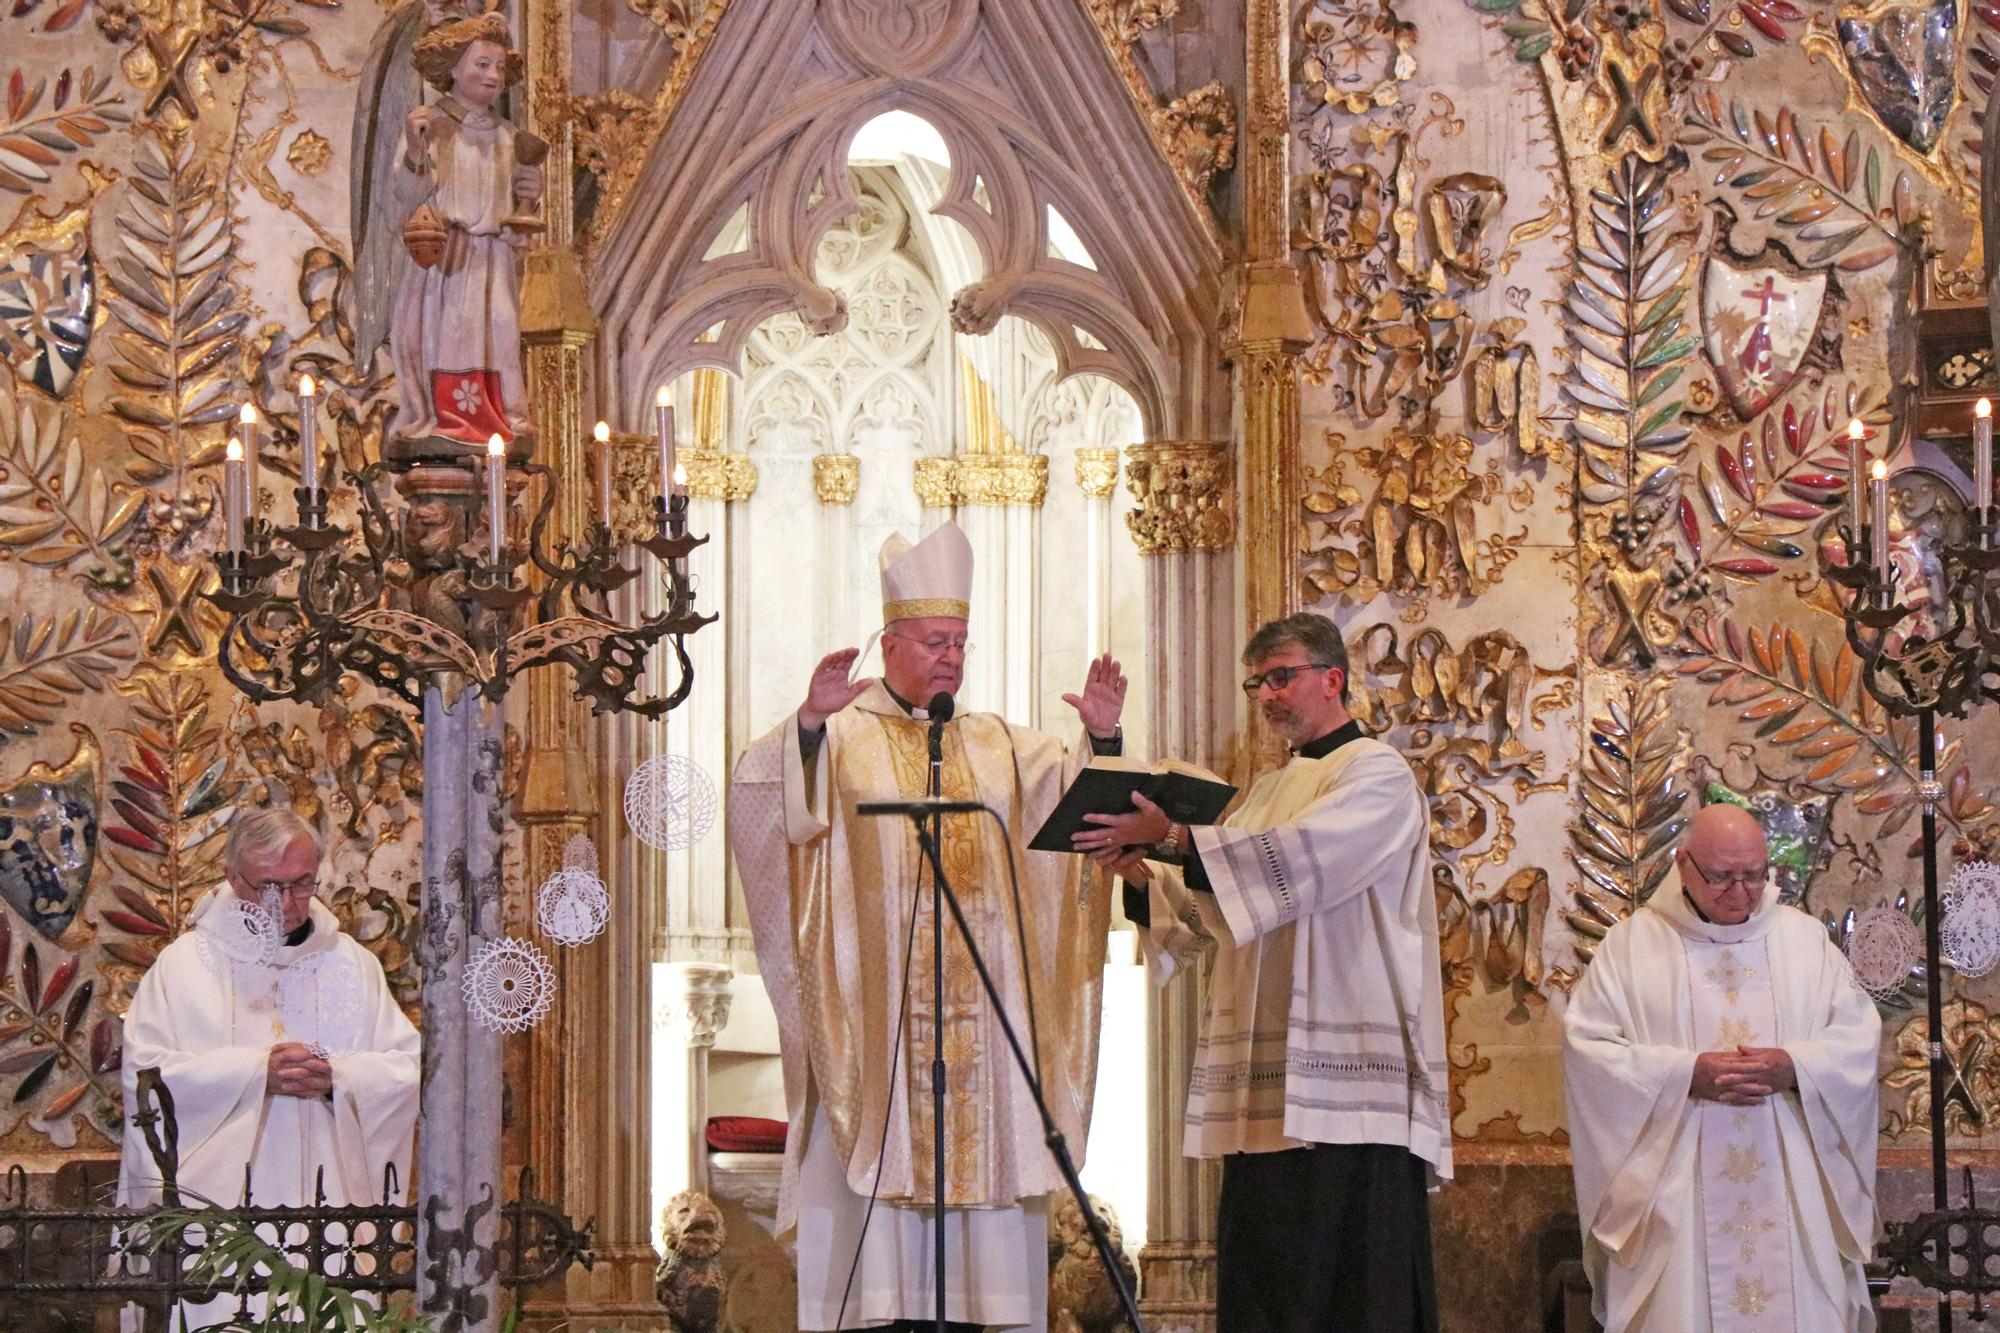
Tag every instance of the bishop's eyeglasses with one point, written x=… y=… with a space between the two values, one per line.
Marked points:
x=1723 y=879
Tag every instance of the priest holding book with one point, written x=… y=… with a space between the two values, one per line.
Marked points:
x=841 y=909
x=1320 y=1077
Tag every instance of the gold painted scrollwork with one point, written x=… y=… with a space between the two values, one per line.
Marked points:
x=1355 y=54
x=1186 y=497
x=612 y=128
x=836 y=478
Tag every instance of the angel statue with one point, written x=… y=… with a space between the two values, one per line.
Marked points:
x=441 y=218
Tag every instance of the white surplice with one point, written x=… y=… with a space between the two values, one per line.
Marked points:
x=1698 y=1215
x=1325 y=1016
x=207 y=1014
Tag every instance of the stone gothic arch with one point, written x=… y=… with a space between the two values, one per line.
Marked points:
x=1035 y=117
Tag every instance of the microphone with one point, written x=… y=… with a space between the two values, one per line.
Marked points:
x=924 y=805
x=940 y=710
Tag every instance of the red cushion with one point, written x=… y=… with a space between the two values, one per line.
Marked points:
x=745 y=1133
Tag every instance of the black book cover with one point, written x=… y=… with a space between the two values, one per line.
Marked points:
x=1104 y=789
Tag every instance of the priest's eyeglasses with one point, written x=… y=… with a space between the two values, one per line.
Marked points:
x=936 y=647
x=304 y=884
x=1279 y=677
x=1744 y=878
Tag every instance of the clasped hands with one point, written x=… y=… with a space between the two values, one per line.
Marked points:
x=294 y=1071
x=1121 y=843
x=1742 y=1077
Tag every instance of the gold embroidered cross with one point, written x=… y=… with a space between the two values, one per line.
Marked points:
x=1748 y=1227
x=1730 y=976
x=1741 y=1164
x=1751 y=1295
x=1735 y=1032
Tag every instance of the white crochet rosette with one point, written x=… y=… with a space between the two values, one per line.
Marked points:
x=241 y=932
x=572 y=906
x=1883 y=947
x=670 y=803
x=508 y=985
x=1970 y=929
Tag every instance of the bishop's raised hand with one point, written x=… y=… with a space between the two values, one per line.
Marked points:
x=830 y=690
x=1103 y=697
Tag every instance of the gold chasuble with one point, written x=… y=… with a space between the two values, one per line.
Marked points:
x=836 y=910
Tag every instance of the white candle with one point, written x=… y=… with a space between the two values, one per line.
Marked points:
x=1982 y=456
x=663 y=412
x=247 y=424
x=232 y=495
x=602 y=433
x=1880 y=498
x=680 y=480
x=1856 y=497
x=308 y=436
x=496 y=495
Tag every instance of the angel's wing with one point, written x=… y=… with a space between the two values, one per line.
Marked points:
x=383 y=197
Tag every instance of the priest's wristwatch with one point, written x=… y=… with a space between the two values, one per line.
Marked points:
x=1172 y=847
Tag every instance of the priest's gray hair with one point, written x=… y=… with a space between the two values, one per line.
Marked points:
x=1313 y=634
x=263 y=833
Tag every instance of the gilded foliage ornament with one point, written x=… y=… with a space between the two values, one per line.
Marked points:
x=1417 y=533
x=1124 y=22
x=1198 y=131
x=1457 y=714
x=1632 y=793
x=51 y=1051
x=181 y=317
x=1763 y=495
x=1834 y=195
x=56 y=508
x=46 y=663
x=1355 y=54
x=611 y=128
x=48 y=120
x=1185 y=497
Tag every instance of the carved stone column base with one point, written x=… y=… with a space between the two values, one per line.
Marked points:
x=1177 y=1286
x=616 y=1296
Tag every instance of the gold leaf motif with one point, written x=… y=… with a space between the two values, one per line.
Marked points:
x=1632 y=790
x=44 y=662
x=56 y=508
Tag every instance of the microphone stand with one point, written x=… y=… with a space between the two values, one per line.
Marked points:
x=937 y=1018
x=928 y=844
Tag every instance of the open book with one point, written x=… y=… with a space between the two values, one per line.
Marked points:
x=1188 y=794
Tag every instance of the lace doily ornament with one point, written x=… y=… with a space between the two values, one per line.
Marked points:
x=670 y=803
x=508 y=985
x=242 y=932
x=573 y=906
x=1970 y=929
x=1884 y=947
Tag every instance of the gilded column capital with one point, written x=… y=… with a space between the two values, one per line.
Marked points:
x=1004 y=479
x=1186 y=496
x=1097 y=471
x=713 y=475
x=836 y=478
x=937 y=482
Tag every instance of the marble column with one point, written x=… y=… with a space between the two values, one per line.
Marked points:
x=694 y=1006
x=1097 y=478
x=1184 y=524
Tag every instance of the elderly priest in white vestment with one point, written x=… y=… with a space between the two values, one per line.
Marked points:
x=841 y=914
x=278 y=1039
x=1320 y=1077
x=1719 y=1066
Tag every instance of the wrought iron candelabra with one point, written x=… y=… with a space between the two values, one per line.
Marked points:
x=410 y=591
x=1920 y=668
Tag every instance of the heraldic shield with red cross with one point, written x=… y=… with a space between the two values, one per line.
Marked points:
x=468 y=406
x=1759 y=322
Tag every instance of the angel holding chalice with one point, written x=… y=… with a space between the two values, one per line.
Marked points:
x=461 y=189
